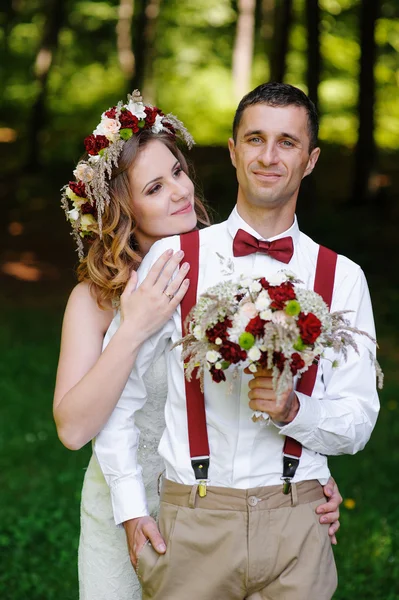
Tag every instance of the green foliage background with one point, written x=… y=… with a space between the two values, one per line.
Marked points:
x=40 y=481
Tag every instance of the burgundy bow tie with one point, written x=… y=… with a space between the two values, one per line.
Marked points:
x=245 y=243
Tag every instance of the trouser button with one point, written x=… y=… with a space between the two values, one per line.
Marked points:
x=253 y=500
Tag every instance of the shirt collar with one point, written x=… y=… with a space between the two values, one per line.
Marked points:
x=236 y=222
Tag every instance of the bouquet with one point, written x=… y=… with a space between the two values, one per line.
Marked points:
x=264 y=323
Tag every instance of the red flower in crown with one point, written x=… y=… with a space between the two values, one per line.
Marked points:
x=78 y=188
x=256 y=326
x=152 y=112
x=232 y=352
x=309 y=327
x=297 y=363
x=129 y=121
x=280 y=294
x=111 y=113
x=95 y=143
x=88 y=209
x=218 y=331
x=170 y=127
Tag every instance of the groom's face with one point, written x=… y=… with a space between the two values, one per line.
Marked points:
x=271 y=155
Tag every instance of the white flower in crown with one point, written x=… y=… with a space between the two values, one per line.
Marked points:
x=84 y=172
x=87 y=222
x=263 y=301
x=73 y=214
x=93 y=159
x=157 y=127
x=108 y=127
x=277 y=278
x=137 y=109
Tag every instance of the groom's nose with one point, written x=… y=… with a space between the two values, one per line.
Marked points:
x=269 y=153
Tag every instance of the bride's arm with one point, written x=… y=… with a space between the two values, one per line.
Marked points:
x=90 y=382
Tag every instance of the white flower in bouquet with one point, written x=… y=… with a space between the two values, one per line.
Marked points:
x=265 y=323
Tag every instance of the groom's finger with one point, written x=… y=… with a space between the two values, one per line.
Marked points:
x=151 y=531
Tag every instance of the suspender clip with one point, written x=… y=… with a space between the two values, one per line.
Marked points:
x=200 y=465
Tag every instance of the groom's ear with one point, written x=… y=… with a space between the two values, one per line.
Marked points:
x=232 y=150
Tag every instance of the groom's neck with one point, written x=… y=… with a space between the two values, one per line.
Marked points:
x=267 y=222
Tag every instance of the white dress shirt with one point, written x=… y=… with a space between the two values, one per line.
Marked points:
x=337 y=419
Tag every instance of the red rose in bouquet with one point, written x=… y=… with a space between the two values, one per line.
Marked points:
x=297 y=363
x=256 y=326
x=232 y=352
x=309 y=327
x=217 y=375
x=218 y=331
x=281 y=294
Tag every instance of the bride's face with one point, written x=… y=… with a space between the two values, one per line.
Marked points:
x=162 y=194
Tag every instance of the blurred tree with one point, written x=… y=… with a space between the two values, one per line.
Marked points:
x=54 y=18
x=144 y=48
x=312 y=10
x=124 y=38
x=282 y=25
x=365 y=152
x=243 y=47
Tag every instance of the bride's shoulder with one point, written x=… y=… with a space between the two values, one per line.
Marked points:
x=82 y=306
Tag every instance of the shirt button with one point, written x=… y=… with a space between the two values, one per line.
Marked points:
x=252 y=501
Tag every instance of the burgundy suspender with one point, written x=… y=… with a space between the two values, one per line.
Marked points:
x=323 y=285
x=196 y=416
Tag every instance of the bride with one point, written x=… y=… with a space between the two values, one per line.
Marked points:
x=132 y=189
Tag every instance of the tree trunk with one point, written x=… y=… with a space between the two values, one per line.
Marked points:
x=55 y=14
x=314 y=61
x=267 y=8
x=282 y=25
x=243 y=48
x=144 y=47
x=124 y=38
x=365 y=152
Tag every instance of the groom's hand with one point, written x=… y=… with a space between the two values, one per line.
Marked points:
x=138 y=531
x=262 y=397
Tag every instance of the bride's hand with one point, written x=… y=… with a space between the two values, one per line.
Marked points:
x=146 y=309
x=138 y=531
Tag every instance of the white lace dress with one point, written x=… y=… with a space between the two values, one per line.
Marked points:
x=105 y=571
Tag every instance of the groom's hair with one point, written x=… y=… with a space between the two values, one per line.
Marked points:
x=280 y=94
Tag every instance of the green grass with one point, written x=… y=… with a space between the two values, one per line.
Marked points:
x=40 y=480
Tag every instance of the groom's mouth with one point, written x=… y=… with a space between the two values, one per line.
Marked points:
x=267 y=176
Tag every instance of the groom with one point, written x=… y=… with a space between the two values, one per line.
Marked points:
x=246 y=539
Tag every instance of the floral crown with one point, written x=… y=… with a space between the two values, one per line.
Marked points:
x=89 y=194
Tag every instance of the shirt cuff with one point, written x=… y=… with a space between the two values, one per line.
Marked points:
x=128 y=499
x=306 y=421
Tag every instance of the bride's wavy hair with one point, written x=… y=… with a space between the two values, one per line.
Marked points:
x=111 y=258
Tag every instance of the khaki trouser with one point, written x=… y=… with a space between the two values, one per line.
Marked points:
x=255 y=544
